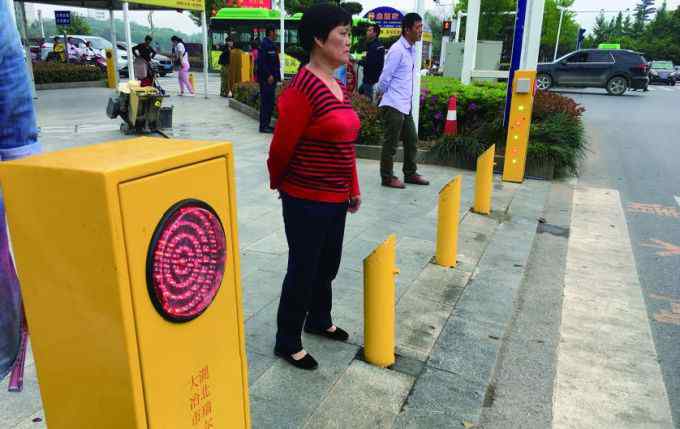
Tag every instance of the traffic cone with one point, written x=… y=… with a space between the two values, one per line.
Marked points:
x=451 y=126
x=191 y=81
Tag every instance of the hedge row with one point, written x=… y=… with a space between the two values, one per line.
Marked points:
x=557 y=133
x=50 y=72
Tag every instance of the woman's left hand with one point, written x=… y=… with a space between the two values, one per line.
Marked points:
x=354 y=204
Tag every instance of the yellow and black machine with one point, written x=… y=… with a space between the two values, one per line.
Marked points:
x=129 y=268
x=138 y=106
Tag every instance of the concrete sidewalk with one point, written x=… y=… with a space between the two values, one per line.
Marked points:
x=450 y=322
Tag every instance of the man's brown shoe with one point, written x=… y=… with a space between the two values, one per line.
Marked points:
x=416 y=179
x=393 y=182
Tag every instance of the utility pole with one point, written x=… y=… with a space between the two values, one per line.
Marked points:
x=559 y=31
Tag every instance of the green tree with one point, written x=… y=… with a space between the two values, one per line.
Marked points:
x=353 y=8
x=551 y=21
x=79 y=25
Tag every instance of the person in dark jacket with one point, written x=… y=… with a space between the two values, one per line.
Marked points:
x=374 y=61
x=224 y=61
x=268 y=73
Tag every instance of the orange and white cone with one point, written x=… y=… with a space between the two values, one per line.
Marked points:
x=451 y=125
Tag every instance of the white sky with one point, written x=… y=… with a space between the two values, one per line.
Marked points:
x=182 y=23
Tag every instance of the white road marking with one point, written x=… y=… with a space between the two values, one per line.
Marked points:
x=608 y=375
x=677 y=199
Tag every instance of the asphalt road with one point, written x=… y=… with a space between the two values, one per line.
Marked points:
x=635 y=144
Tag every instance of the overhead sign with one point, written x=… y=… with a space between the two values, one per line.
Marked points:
x=174 y=4
x=62 y=17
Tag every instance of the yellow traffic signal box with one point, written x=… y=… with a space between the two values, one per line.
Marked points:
x=127 y=254
x=519 y=126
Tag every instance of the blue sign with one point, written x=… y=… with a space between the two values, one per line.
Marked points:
x=62 y=17
x=385 y=17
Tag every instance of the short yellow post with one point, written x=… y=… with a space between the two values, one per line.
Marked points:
x=484 y=181
x=379 y=303
x=192 y=82
x=448 y=217
x=110 y=69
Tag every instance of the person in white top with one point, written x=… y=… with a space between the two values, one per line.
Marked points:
x=182 y=59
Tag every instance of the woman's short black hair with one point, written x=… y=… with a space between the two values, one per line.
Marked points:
x=148 y=39
x=376 y=28
x=410 y=19
x=318 y=22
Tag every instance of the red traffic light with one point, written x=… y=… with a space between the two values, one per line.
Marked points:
x=185 y=262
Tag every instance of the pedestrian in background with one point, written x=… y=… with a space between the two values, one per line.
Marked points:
x=18 y=138
x=144 y=53
x=396 y=88
x=269 y=72
x=182 y=62
x=312 y=164
x=224 y=61
x=373 y=62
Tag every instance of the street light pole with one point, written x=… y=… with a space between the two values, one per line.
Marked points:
x=559 y=31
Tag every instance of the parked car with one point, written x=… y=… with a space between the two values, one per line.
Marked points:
x=663 y=72
x=99 y=44
x=616 y=70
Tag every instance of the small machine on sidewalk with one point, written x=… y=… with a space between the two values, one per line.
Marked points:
x=140 y=107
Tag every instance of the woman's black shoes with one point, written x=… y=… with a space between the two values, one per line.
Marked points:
x=337 y=335
x=307 y=362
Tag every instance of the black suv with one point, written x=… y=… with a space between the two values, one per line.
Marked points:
x=615 y=70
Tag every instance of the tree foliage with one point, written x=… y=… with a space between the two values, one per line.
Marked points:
x=496 y=24
x=79 y=25
x=658 y=39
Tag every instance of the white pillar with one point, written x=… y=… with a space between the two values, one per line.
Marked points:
x=282 y=37
x=471 y=33
x=559 y=31
x=442 y=55
x=205 y=53
x=415 y=103
x=459 y=21
x=42 y=26
x=27 y=48
x=532 y=34
x=114 y=42
x=128 y=40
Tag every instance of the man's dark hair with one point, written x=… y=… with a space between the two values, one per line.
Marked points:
x=376 y=29
x=318 y=22
x=410 y=19
x=148 y=39
x=269 y=30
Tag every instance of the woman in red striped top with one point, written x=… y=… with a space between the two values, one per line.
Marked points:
x=312 y=164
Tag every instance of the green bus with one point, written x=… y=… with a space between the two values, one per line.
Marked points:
x=246 y=24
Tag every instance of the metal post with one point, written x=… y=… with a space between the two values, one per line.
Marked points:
x=114 y=55
x=415 y=98
x=448 y=217
x=471 y=33
x=205 y=52
x=484 y=181
x=516 y=57
x=128 y=40
x=459 y=21
x=42 y=26
x=282 y=37
x=27 y=48
x=559 y=31
x=442 y=54
x=379 y=303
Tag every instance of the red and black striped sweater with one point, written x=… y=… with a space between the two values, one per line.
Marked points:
x=312 y=154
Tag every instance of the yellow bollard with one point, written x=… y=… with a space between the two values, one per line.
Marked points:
x=110 y=69
x=484 y=182
x=191 y=81
x=519 y=126
x=448 y=217
x=379 y=303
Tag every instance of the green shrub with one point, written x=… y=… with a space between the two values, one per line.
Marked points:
x=49 y=72
x=557 y=134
